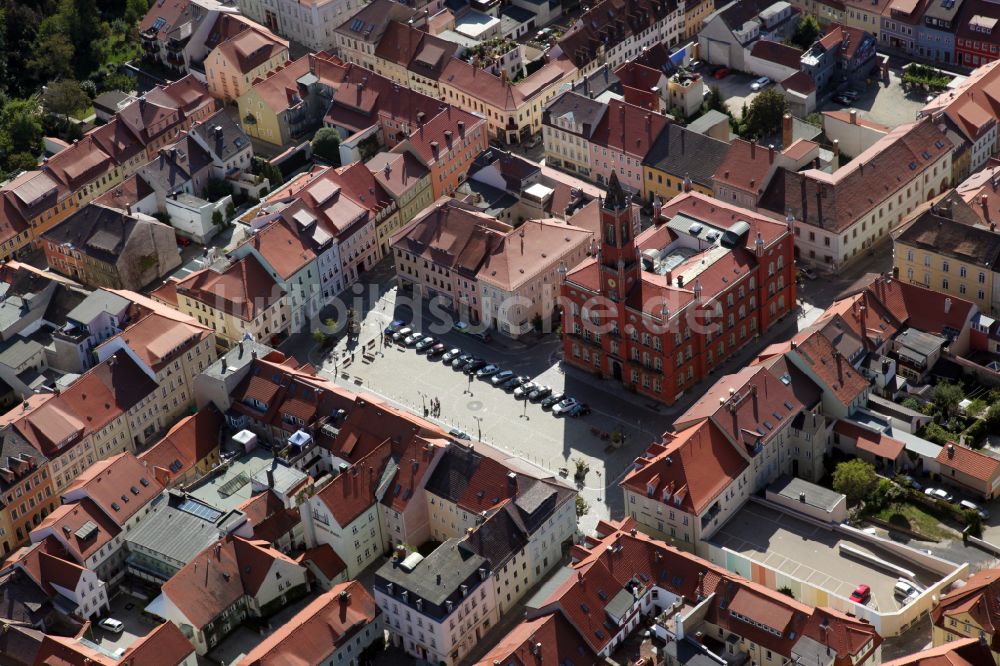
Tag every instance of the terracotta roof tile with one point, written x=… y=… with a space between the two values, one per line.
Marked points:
x=121 y=486
x=972 y=463
x=831 y=368
x=776 y=52
x=66 y=519
x=629 y=129
x=244 y=289
x=189 y=441
x=326 y=560
x=352 y=492
x=319 y=629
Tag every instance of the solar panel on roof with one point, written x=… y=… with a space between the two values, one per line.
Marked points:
x=200 y=510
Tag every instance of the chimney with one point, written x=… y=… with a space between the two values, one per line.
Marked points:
x=947 y=305
x=836 y=154
x=434 y=148
x=753 y=149
x=218 y=131
x=770 y=154
x=786 y=130
x=854 y=116
x=984 y=202
x=461 y=129
x=270 y=477
x=512 y=482
x=951 y=450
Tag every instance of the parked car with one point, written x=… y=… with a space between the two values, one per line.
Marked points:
x=695 y=64
x=861 y=594
x=563 y=407
x=112 y=625
x=413 y=338
x=972 y=506
x=909 y=482
x=183 y=241
x=522 y=391
x=474 y=366
x=720 y=72
x=514 y=382
x=760 y=83
x=482 y=336
x=394 y=326
x=459 y=434
x=451 y=354
x=904 y=589
x=501 y=377
x=401 y=333
x=436 y=350
x=540 y=393
x=581 y=409
x=487 y=371
x=842 y=100
x=938 y=493
x=460 y=326
x=426 y=343
x=460 y=360
x=553 y=400
x=850 y=94
x=808 y=273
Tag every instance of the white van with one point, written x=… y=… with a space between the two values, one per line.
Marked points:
x=904 y=589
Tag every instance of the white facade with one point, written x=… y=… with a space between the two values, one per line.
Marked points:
x=667 y=31
x=358 y=544
x=311 y=23
x=192 y=216
x=445 y=641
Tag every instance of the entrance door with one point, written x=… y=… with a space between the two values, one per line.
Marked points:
x=616 y=370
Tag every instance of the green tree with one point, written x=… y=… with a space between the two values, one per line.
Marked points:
x=856 y=479
x=53 y=55
x=582 y=507
x=216 y=188
x=947 y=396
x=763 y=117
x=63 y=98
x=806 y=32
x=21 y=133
x=326 y=145
x=716 y=100
x=82 y=24
x=135 y=10
x=217 y=219
x=319 y=336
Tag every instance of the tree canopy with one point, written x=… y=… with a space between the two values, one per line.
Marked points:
x=326 y=145
x=856 y=479
x=763 y=116
x=806 y=32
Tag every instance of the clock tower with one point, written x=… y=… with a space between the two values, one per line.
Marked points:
x=617 y=254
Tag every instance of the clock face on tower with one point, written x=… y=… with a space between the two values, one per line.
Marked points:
x=612 y=283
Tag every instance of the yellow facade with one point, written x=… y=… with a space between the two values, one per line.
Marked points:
x=959 y=626
x=695 y=15
x=227 y=82
x=266 y=126
x=229 y=328
x=657 y=182
x=937 y=271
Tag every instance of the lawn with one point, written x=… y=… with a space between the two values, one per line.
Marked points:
x=916 y=518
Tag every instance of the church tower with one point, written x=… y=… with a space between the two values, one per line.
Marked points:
x=618 y=257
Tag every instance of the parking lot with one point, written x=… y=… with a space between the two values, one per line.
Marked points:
x=886 y=103
x=812 y=554
x=128 y=610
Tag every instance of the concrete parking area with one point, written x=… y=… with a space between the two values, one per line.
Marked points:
x=887 y=103
x=812 y=554
x=128 y=610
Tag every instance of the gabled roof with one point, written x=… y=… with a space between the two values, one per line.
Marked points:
x=969 y=462
x=962 y=652
x=220 y=575
x=609 y=23
x=325 y=559
x=979 y=597
x=681 y=152
x=244 y=289
x=352 y=492
x=777 y=53
x=951 y=227
x=628 y=128
x=319 y=629
x=82 y=526
x=189 y=441
x=820 y=357
x=251 y=48
x=547 y=640
x=687 y=469
x=285 y=251
x=120 y=485
x=528 y=251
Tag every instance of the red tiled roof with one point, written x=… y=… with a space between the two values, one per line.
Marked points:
x=776 y=52
x=244 y=289
x=831 y=368
x=318 y=630
x=158 y=339
x=165 y=645
x=547 y=641
x=190 y=441
x=620 y=557
x=881 y=445
x=629 y=129
x=220 y=575
x=979 y=597
x=353 y=491
x=121 y=481
x=325 y=559
x=283 y=249
x=971 y=463
x=251 y=48
x=694 y=466
x=66 y=519
x=745 y=167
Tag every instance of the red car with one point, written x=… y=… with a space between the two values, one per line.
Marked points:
x=721 y=73
x=861 y=594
